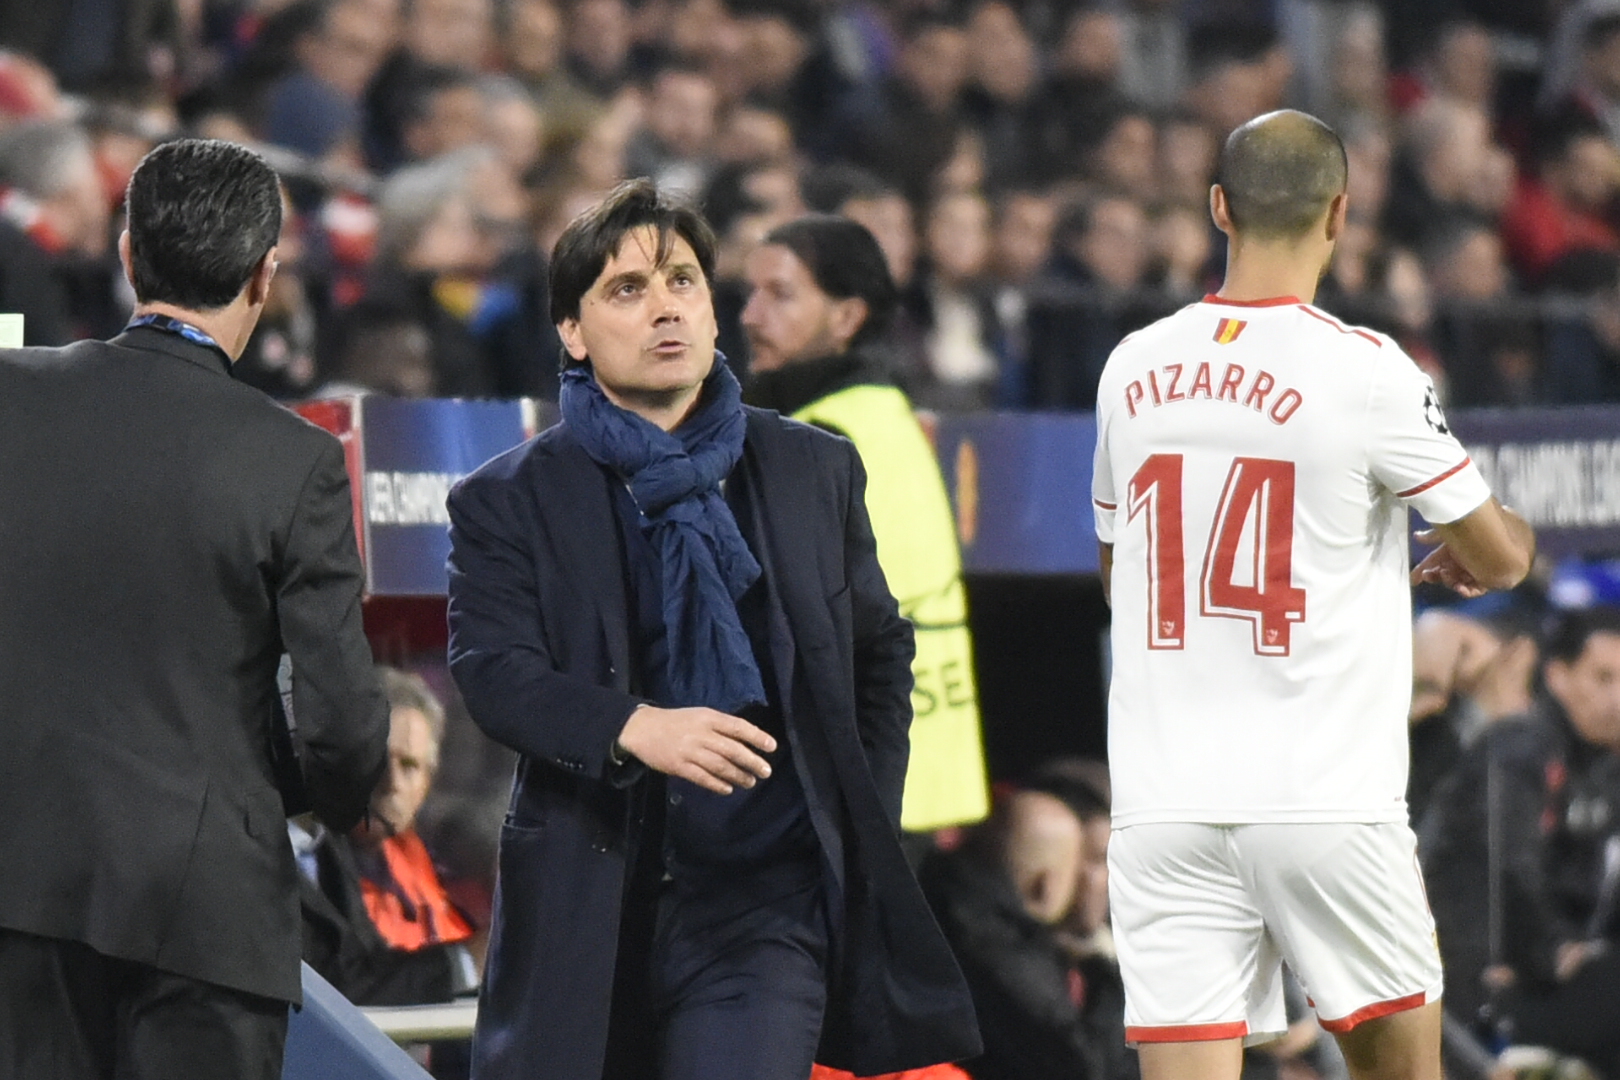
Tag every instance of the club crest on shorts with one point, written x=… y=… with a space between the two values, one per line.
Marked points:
x=1227 y=330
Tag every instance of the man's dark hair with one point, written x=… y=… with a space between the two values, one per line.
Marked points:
x=845 y=261
x=1570 y=633
x=593 y=238
x=1280 y=171
x=202 y=215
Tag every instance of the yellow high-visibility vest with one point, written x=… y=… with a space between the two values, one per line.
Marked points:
x=916 y=546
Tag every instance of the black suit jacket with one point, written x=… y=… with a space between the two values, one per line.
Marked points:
x=540 y=635
x=165 y=534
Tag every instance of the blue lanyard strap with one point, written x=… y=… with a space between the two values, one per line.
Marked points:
x=170 y=325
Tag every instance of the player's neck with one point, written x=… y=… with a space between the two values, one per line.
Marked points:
x=1258 y=271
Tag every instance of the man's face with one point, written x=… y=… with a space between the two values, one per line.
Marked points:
x=888 y=217
x=648 y=327
x=1589 y=689
x=413 y=755
x=787 y=317
x=349 y=48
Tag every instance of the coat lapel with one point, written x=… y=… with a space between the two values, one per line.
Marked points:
x=576 y=505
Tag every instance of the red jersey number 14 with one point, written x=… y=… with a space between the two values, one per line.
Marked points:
x=1261 y=489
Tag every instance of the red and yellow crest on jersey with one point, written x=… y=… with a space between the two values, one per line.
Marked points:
x=1227 y=330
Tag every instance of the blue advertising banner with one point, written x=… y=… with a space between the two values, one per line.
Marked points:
x=412 y=452
x=1020 y=482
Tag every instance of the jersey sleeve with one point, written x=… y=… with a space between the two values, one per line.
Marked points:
x=1104 y=501
x=1412 y=450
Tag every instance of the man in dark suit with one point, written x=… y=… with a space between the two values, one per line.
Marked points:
x=167 y=534
x=671 y=606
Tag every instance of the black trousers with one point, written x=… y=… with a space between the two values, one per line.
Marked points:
x=69 y=1013
x=734 y=977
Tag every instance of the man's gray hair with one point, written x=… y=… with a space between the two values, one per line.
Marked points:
x=41 y=158
x=407 y=690
x=414 y=195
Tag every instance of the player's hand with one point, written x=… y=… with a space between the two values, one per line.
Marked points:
x=1574 y=955
x=1441 y=567
x=712 y=749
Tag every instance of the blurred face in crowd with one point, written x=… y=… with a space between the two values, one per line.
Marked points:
x=1093 y=46
x=450 y=243
x=1407 y=287
x=754 y=134
x=888 y=217
x=773 y=50
x=1602 y=66
x=959 y=238
x=1003 y=57
x=934 y=63
x=1588 y=689
x=1465 y=65
x=599 y=35
x=681 y=113
x=413 y=755
x=78 y=211
x=451 y=33
x=693 y=26
x=534 y=38
x=1181 y=242
x=1473 y=269
x=1587 y=175
x=1186 y=162
x=1091 y=898
x=1044 y=850
x=1115 y=246
x=1125 y=160
x=516 y=128
x=599 y=157
x=788 y=317
x=346 y=52
x=1357 y=242
x=648 y=327
x=1023 y=239
x=1368 y=156
x=1359 y=77
x=454 y=118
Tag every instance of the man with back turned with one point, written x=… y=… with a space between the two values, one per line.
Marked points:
x=166 y=535
x=1255 y=461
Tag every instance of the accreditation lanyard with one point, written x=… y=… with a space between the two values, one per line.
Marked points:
x=170 y=325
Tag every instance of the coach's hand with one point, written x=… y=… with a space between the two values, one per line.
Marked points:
x=712 y=749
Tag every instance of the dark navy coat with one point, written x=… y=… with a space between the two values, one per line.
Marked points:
x=540 y=648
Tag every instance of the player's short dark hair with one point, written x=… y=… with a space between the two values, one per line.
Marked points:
x=1280 y=171
x=203 y=214
x=1571 y=631
x=593 y=238
x=845 y=261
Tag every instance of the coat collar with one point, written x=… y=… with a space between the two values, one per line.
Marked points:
x=151 y=340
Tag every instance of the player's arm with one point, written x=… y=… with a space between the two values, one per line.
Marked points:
x=1105 y=570
x=1489 y=548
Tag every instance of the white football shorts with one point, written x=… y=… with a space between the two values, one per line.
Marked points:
x=1205 y=915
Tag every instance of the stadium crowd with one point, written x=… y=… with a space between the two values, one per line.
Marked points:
x=1036 y=171
x=1037 y=175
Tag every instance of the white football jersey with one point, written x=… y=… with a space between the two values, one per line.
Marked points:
x=1254 y=464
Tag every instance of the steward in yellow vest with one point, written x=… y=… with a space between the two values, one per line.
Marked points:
x=820 y=296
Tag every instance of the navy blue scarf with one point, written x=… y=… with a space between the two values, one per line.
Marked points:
x=674 y=478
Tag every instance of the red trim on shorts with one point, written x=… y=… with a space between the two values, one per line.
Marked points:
x=1339 y=326
x=1374 y=1011
x=1187 y=1032
x=1274 y=301
x=1426 y=485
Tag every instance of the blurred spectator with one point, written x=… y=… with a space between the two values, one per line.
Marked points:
x=1021 y=248
x=1583 y=350
x=907 y=129
x=515 y=127
x=54 y=236
x=882 y=208
x=675 y=145
x=457 y=34
x=1368 y=150
x=381 y=348
x=28 y=90
x=1186 y=163
x=377 y=923
x=1182 y=250
x=1357 y=91
x=444 y=110
x=1517 y=852
x=1564 y=205
x=533 y=41
x=1153 y=56
x=1081 y=96
x=1460 y=67
x=781 y=65
x=86 y=43
x=1596 y=93
x=1000 y=100
x=1004 y=899
x=429 y=83
x=751 y=133
x=744 y=202
x=1091 y=301
x=962 y=370
x=317 y=106
x=1490 y=348
x=1229 y=81
x=1449 y=171
x=599 y=45
x=1124 y=160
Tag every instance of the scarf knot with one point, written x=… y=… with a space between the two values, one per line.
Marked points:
x=674 y=478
